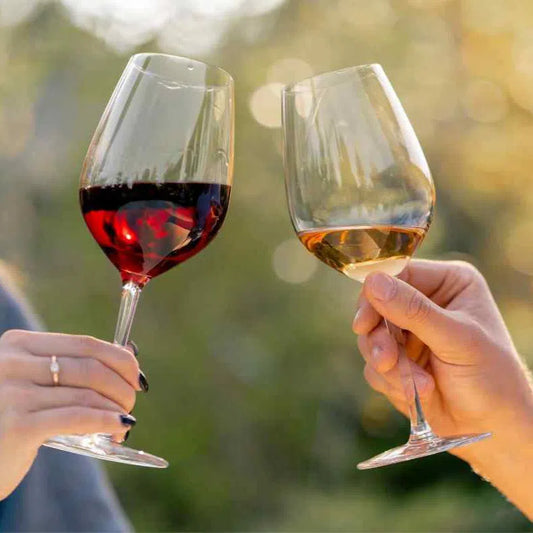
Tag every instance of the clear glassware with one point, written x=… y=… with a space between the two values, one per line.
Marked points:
x=361 y=199
x=155 y=187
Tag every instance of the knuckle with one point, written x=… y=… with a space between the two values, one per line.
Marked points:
x=467 y=272
x=78 y=417
x=74 y=418
x=101 y=418
x=127 y=361
x=393 y=290
x=8 y=361
x=13 y=336
x=88 y=344
x=87 y=397
x=466 y=267
x=418 y=308
x=91 y=369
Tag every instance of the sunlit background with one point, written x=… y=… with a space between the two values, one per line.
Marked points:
x=257 y=397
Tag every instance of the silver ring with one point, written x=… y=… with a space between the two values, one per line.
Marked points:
x=54 y=369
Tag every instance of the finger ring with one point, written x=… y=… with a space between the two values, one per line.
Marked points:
x=54 y=369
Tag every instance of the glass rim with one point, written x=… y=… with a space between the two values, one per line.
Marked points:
x=226 y=77
x=338 y=76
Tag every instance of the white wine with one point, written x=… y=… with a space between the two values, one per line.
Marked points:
x=358 y=250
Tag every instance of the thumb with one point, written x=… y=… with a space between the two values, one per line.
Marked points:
x=409 y=309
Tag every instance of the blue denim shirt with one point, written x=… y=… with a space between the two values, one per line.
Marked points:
x=62 y=492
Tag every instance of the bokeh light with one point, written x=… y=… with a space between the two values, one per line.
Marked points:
x=185 y=26
x=289 y=70
x=292 y=263
x=265 y=105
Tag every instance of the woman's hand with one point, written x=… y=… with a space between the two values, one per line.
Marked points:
x=468 y=373
x=97 y=388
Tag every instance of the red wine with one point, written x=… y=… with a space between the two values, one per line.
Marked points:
x=147 y=228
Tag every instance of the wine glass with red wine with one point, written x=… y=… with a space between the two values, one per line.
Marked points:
x=155 y=187
x=361 y=199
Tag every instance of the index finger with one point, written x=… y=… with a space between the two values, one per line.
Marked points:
x=117 y=358
x=429 y=277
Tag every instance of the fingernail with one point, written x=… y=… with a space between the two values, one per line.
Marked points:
x=376 y=352
x=356 y=317
x=143 y=382
x=134 y=347
x=382 y=286
x=126 y=435
x=128 y=420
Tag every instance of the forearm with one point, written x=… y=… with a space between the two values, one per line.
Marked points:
x=506 y=461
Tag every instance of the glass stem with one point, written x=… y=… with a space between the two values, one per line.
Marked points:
x=420 y=429
x=128 y=304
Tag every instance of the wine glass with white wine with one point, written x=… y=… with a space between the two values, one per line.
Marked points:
x=361 y=199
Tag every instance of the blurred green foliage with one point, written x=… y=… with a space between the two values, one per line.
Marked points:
x=257 y=397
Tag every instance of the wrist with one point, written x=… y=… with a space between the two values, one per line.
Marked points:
x=509 y=419
x=508 y=443
x=506 y=460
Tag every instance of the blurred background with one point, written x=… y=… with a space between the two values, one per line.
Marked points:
x=257 y=397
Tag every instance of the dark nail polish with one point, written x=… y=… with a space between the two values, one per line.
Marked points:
x=126 y=435
x=134 y=347
x=128 y=420
x=143 y=382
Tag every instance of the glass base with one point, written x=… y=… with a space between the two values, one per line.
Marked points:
x=102 y=447
x=420 y=447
